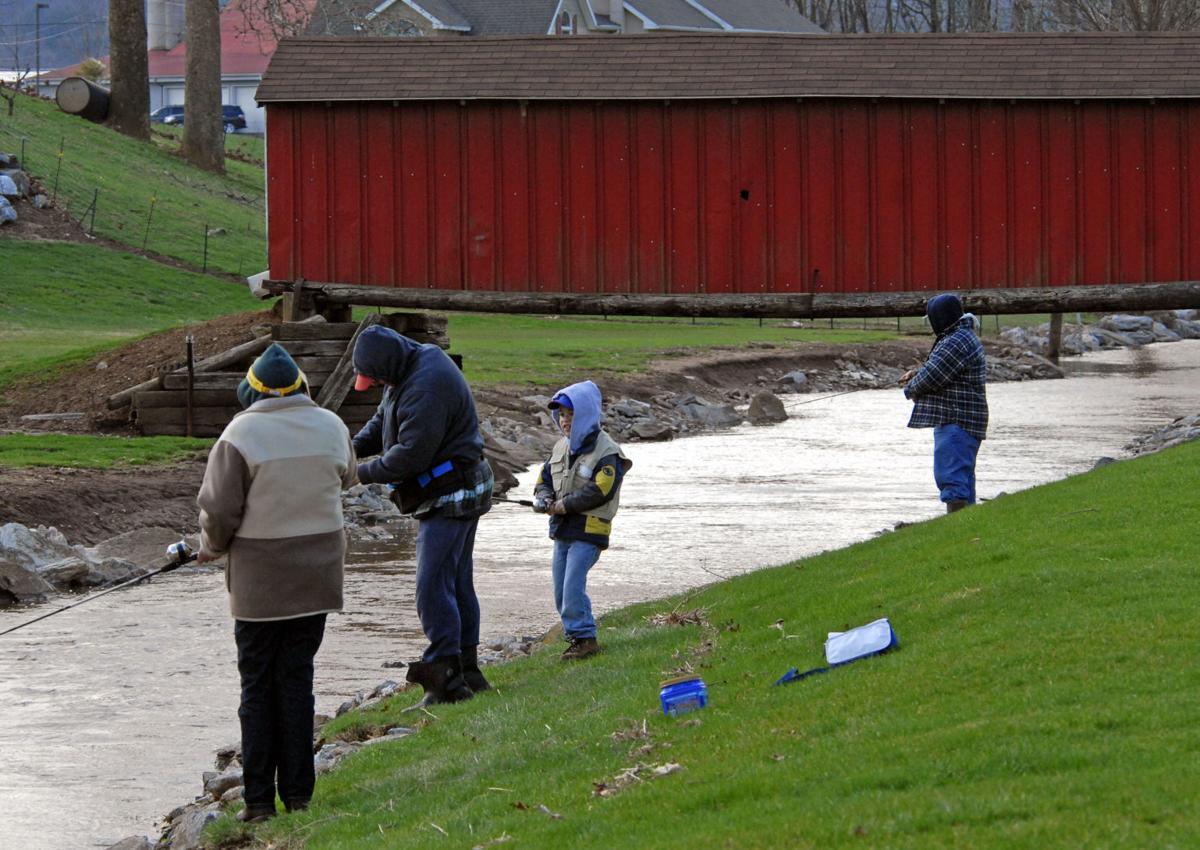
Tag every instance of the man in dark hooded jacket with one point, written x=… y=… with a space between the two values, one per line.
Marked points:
x=950 y=396
x=426 y=436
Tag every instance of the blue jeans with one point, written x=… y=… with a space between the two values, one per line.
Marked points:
x=275 y=660
x=446 y=602
x=954 y=452
x=572 y=560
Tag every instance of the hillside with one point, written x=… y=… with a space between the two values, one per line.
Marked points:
x=142 y=196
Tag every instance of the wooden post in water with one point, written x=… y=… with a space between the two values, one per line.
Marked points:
x=1055 y=345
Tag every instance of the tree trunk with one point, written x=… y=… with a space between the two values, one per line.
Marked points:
x=203 y=125
x=129 y=106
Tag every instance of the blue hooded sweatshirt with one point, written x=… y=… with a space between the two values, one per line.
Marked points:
x=427 y=414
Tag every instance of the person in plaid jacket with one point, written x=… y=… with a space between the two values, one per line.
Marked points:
x=949 y=395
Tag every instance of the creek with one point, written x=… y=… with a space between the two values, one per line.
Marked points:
x=113 y=710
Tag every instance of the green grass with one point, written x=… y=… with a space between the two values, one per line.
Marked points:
x=78 y=451
x=61 y=303
x=237 y=145
x=148 y=196
x=538 y=350
x=1043 y=696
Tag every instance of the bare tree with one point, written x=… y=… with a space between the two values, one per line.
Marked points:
x=1136 y=15
x=203 y=127
x=10 y=97
x=273 y=20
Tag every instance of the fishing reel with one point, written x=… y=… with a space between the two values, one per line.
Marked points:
x=179 y=553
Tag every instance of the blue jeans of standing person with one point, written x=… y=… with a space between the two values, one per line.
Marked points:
x=954 y=453
x=572 y=560
x=446 y=600
x=275 y=660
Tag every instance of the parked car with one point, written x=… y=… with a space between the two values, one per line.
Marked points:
x=232 y=117
x=167 y=115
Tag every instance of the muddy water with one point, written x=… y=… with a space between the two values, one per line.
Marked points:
x=112 y=710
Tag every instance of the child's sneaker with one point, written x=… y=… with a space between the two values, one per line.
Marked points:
x=580 y=648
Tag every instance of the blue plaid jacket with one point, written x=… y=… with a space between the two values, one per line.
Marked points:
x=950 y=387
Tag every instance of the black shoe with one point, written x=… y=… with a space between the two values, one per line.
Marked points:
x=296 y=805
x=580 y=649
x=471 y=672
x=955 y=505
x=256 y=814
x=442 y=679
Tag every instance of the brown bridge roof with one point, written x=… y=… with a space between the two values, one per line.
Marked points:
x=701 y=66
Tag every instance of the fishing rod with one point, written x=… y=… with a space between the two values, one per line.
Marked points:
x=178 y=553
x=834 y=395
x=525 y=503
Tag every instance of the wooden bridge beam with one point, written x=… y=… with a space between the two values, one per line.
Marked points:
x=1057 y=299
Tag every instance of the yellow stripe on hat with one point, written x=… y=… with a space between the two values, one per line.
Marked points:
x=259 y=386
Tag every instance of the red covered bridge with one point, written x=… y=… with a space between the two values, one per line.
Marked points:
x=794 y=171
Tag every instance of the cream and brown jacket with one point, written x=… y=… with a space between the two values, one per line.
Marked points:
x=272 y=500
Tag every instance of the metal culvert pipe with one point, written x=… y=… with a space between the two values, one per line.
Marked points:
x=82 y=97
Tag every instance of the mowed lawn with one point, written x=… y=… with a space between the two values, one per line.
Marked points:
x=1043 y=696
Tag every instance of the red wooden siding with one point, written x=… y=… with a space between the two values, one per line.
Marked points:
x=719 y=196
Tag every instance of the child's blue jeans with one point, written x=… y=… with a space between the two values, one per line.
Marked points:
x=954 y=452
x=572 y=560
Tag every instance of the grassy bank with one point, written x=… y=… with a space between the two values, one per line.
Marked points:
x=145 y=194
x=1043 y=696
x=78 y=451
x=62 y=303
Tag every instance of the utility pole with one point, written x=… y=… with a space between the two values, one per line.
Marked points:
x=37 y=45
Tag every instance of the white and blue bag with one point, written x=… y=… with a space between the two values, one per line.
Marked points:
x=845 y=647
x=862 y=642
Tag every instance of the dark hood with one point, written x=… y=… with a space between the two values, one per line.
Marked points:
x=384 y=355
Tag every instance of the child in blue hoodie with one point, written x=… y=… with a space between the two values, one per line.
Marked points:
x=580 y=488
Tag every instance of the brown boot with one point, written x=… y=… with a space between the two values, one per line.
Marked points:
x=580 y=649
x=442 y=679
x=256 y=814
x=955 y=505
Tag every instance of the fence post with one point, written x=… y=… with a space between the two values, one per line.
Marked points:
x=95 y=197
x=58 y=170
x=149 y=215
x=204 y=266
x=23 y=165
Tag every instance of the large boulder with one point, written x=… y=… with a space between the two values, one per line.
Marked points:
x=706 y=413
x=766 y=409
x=7 y=213
x=21 y=585
x=144 y=547
x=34 y=547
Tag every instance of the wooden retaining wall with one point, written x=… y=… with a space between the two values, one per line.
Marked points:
x=318 y=349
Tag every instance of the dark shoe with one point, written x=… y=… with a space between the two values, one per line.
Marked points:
x=295 y=805
x=581 y=648
x=442 y=679
x=471 y=672
x=955 y=505
x=256 y=814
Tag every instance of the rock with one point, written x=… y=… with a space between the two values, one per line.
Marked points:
x=187 y=832
x=792 y=382
x=706 y=413
x=766 y=408
x=20 y=585
x=631 y=408
x=653 y=431
x=232 y=795
x=133 y=842
x=329 y=755
x=1126 y=324
x=17 y=182
x=7 y=213
x=217 y=784
x=34 y=547
x=227 y=755
x=348 y=705
x=68 y=573
x=1103 y=461
x=8 y=160
x=146 y=547
x=40 y=201
x=1164 y=334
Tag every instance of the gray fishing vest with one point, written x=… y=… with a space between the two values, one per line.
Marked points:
x=568 y=479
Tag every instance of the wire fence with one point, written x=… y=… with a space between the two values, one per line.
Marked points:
x=210 y=224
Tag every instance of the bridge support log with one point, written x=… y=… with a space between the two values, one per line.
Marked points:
x=1057 y=299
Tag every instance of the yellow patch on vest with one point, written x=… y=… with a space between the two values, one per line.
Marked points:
x=595 y=525
x=605 y=479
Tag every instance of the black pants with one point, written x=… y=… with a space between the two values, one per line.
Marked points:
x=275 y=660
